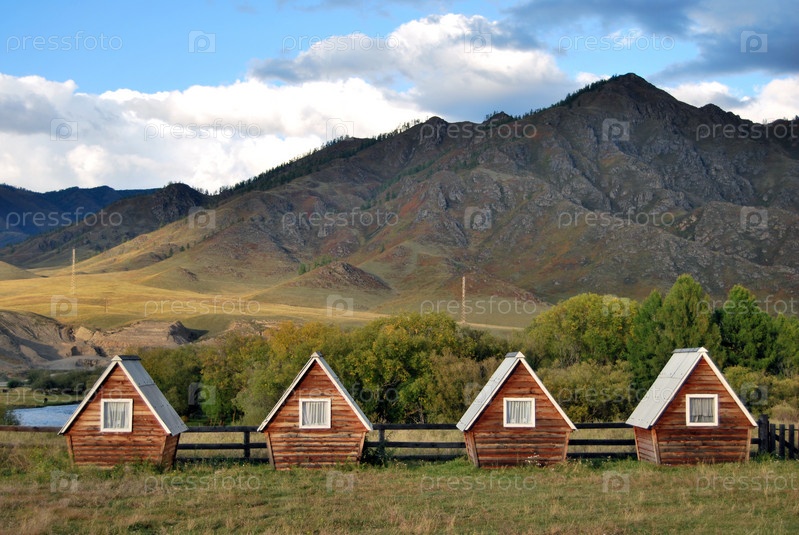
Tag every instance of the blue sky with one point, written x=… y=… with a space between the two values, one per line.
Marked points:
x=213 y=92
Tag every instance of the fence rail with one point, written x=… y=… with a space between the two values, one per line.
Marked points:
x=778 y=439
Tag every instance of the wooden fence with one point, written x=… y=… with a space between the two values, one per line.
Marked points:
x=777 y=439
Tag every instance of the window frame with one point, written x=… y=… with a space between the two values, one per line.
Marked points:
x=328 y=418
x=714 y=397
x=505 y=412
x=129 y=424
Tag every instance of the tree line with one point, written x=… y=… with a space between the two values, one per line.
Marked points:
x=596 y=354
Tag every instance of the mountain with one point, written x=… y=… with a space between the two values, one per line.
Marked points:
x=619 y=188
x=25 y=213
x=108 y=226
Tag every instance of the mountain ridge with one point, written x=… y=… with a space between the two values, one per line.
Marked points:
x=620 y=188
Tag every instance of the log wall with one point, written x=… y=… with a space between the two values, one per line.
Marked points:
x=146 y=442
x=496 y=445
x=678 y=443
x=291 y=446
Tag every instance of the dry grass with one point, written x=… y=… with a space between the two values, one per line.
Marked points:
x=41 y=493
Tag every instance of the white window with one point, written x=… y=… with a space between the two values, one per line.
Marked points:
x=702 y=409
x=519 y=412
x=116 y=415
x=315 y=413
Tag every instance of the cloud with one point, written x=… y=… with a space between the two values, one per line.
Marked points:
x=779 y=99
x=460 y=66
x=206 y=136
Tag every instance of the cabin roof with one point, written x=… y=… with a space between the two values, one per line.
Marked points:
x=493 y=385
x=318 y=359
x=131 y=364
x=679 y=367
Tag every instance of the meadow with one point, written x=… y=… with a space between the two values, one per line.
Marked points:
x=40 y=492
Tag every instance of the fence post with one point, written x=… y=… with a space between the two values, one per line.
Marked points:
x=762 y=434
x=772 y=437
x=381 y=439
x=791 y=443
x=246 y=444
x=782 y=441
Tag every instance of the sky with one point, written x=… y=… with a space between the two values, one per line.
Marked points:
x=210 y=93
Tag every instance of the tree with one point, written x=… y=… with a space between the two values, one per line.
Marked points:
x=687 y=317
x=174 y=371
x=647 y=349
x=748 y=334
x=584 y=327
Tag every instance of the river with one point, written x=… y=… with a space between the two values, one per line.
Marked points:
x=50 y=416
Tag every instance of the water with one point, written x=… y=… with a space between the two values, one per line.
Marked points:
x=52 y=416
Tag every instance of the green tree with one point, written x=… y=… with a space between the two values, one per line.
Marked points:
x=176 y=372
x=647 y=349
x=687 y=317
x=748 y=334
x=584 y=327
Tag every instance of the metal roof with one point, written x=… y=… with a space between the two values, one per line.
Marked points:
x=493 y=385
x=147 y=389
x=669 y=381
x=317 y=358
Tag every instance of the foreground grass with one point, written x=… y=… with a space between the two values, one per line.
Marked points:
x=41 y=493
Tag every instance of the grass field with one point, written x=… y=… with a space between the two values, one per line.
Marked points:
x=41 y=493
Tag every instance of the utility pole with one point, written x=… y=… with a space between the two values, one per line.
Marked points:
x=463 y=299
x=72 y=284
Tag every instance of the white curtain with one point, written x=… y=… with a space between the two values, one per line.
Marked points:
x=702 y=410
x=314 y=413
x=518 y=412
x=116 y=415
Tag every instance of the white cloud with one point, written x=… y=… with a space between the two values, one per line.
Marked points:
x=462 y=67
x=776 y=100
x=206 y=136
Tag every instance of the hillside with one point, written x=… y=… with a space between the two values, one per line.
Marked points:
x=25 y=213
x=618 y=189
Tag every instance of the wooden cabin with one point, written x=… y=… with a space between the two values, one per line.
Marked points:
x=515 y=420
x=691 y=415
x=123 y=418
x=316 y=422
